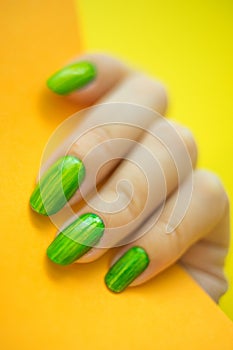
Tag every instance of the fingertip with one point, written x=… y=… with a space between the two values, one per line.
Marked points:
x=72 y=77
x=88 y=78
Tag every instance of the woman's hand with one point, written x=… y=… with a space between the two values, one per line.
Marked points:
x=121 y=146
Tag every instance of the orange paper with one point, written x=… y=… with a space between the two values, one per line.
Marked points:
x=44 y=306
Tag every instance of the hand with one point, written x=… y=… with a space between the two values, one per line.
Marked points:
x=199 y=240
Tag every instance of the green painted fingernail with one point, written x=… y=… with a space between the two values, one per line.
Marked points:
x=76 y=239
x=72 y=77
x=126 y=269
x=57 y=185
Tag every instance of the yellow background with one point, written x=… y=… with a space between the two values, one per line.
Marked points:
x=187 y=45
x=44 y=306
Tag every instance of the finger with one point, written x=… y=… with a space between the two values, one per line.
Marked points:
x=123 y=85
x=124 y=215
x=136 y=90
x=159 y=250
x=94 y=135
x=91 y=76
x=88 y=77
x=205 y=260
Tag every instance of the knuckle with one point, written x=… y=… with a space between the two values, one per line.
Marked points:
x=135 y=204
x=95 y=137
x=218 y=286
x=144 y=85
x=172 y=244
x=191 y=144
x=211 y=185
x=189 y=141
x=178 y=241
x=99 y=135
x=224 y=286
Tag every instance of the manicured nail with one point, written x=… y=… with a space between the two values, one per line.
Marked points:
x=126 y=269
x=57 y=185
x=72 y=77
x=76 y=239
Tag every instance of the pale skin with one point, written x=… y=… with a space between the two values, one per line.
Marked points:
x=200 y=241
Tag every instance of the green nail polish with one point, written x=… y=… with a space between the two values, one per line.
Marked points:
x=76 y=239
x=72 y=77
x=57 y=185
x=126 y=269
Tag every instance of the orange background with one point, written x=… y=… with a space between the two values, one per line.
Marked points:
x=44 y=306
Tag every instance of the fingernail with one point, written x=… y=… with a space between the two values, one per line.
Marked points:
x=57 y=185
x=126 y=269
x=76 y=239
x=72 y=77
